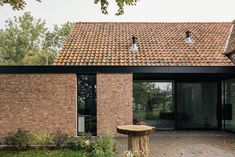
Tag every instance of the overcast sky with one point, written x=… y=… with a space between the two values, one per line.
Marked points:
x=61 y=11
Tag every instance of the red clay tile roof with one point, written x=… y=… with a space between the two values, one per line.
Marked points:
x=160 y=44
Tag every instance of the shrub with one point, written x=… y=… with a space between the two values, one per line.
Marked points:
x=41 y=139
x=18 y=139
x=60 y=138
x=84 y=142
x=103 y=147
x=130 y=154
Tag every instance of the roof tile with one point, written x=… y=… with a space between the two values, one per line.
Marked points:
x=160 y=44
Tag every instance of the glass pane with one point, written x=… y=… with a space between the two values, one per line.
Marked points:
x=153 y=104
x=229 y=107
x=87 y=101
x=197 y=105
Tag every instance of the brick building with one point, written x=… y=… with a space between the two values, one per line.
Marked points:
x=170 y=75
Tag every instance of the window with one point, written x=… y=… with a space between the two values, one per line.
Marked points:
x=153 y=104
x=197 y=105
x=87 y=104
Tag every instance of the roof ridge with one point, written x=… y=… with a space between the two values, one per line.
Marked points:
x=135 y=22
x=228 y=39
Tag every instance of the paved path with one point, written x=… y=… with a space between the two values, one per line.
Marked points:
x=188 y=144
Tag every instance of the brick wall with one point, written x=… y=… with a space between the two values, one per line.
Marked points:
x=114 y=101
x=38 y=102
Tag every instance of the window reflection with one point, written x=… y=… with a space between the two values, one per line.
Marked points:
x=229 y=107
x=87 y=103
x=197 y=105
x=153 y=104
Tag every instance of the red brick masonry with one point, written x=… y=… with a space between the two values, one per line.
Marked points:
x=38 y=102
x=114 y=101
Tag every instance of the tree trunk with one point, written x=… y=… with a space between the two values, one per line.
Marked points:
x=139 y=144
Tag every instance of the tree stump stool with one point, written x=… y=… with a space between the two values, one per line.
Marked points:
x=138 y=138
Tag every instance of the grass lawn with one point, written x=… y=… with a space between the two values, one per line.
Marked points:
x=42 y=153
x=143 y=114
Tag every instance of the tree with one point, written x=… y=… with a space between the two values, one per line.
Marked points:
x=120 y=3
x=54 y=41
x=20 y=4
x=15 y=4
x=27 y=41
x=22 y=36
x=59 y=35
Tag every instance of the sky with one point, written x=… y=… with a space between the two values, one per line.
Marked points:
x=61 y=11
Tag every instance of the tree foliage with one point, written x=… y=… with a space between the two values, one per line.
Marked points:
x=15 y=4
x=20 y=4
x=57 y=38
x=120 y=3
x=27 y=41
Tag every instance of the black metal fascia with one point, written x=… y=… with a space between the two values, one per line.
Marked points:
x=119 y=69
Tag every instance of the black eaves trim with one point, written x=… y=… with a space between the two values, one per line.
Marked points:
x=119 y=69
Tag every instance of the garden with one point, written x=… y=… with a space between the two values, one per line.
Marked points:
x=59 y=144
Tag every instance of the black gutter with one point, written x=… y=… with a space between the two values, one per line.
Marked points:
x=119 y=69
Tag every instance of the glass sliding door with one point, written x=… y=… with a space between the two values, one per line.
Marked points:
x=86 y=104
x=197 y=105
x=153 y=104
x=229 y=106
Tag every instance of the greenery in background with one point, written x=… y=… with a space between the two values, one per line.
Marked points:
x=27 y=41
x=20 y=4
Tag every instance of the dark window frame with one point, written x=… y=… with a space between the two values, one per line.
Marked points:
x=87 y=114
